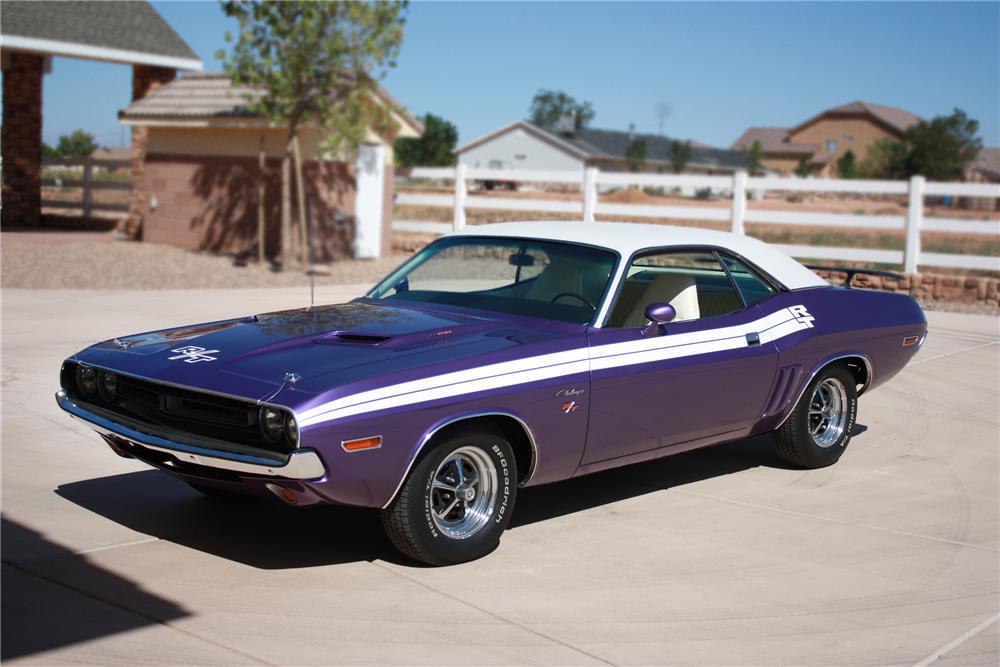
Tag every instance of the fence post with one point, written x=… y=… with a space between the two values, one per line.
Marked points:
x=589 y=193
x=739 y=202
x=88 y=196
x=914 y=220
x=458 y=221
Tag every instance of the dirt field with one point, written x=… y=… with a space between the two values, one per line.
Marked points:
x=101 y=260
x=959 y=243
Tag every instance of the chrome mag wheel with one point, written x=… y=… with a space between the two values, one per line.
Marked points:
x=828 y=412
x=463 y=492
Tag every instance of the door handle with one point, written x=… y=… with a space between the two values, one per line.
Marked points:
x=753 y=339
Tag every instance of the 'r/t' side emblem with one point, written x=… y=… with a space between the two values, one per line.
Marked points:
x=192 y=354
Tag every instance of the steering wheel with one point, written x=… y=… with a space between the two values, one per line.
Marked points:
x=575 y=296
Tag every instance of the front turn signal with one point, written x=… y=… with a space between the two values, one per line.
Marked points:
x=373 y=442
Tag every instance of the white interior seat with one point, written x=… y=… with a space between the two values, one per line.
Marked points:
x=678 y=290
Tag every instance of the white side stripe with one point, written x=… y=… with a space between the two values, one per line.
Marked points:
x=544 y=367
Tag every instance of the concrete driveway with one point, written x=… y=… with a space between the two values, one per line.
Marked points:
x=717 y=557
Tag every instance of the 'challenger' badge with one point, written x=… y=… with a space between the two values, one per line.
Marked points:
x=192 y=354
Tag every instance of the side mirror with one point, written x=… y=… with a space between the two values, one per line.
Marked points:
x=658 y=314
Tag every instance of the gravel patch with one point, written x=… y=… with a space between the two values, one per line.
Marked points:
x=97 y=263
x=146 y=266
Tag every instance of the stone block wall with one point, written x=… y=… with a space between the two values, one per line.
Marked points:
x=930 y=286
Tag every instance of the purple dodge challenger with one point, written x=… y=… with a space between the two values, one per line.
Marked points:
x=499 y=357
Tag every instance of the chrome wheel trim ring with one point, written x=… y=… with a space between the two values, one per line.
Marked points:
x=828 y=412
x=463 y=492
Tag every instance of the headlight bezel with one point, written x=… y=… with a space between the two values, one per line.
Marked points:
x=82 y=384
x=108 y=394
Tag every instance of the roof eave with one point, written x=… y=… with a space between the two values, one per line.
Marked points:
x=53 y=47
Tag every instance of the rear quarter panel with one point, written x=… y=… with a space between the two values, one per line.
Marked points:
x=847 y=322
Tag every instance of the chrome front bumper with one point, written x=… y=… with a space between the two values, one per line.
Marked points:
x=301 y=464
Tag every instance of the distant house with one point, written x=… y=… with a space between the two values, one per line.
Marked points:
x=984 y=169
x=200 y=171
x=112 y=153
x=523 y=145
x=828 y=135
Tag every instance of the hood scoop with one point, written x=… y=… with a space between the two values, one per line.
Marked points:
x=353 y=337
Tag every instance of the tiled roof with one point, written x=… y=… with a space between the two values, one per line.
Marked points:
x=896 y=118
x=988 y=162
x=613 y=144
x=213 y=95
x=130 y=25
x=772 y=140
x=588 y=143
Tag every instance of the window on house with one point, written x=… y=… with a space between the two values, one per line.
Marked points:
x=848 y=137
x=831 y=145
x=520 y=156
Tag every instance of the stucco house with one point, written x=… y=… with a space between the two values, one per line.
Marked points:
x=200 y=173
x=828 y=135
x=523 y=145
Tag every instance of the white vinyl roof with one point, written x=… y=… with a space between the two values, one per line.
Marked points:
x=627 y=238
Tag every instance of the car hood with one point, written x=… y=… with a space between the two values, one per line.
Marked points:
x=316 y=349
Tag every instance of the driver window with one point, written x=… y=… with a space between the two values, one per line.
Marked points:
x=694 y=283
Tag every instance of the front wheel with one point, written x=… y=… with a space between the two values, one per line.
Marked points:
x=819 y=428
x=457 y=500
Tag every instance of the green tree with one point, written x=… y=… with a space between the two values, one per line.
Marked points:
x=434 y=148
x=942 y=149
x=847 y=166
x=755 y=153
x=549 y=107
x=635 y=154
x=76 y=144
x=886 y=159
x=314 y=63
x=48 y=151
x=803 y=170
x=679 y=154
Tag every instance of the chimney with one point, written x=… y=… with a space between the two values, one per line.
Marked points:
x=566 y=125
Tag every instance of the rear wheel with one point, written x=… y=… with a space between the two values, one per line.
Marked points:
x=819 y=429
x=457 y=500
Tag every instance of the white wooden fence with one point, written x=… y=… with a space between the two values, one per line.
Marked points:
x=84 y=179
x=737 y=213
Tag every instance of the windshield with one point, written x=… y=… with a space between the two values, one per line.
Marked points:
x=556 y=281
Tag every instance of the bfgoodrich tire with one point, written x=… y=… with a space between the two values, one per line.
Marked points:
x=456 y=501
x=819 y=429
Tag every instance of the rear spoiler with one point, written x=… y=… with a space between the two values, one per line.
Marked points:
x=853 y=272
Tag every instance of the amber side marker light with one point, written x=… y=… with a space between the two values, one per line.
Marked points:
x=373 y=442
x=910 y=340
x=282 y=493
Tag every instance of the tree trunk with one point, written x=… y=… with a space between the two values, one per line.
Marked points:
x=261 y=221
x=286 y=201
x=303 y=238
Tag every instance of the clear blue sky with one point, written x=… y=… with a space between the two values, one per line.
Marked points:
x=721 y=67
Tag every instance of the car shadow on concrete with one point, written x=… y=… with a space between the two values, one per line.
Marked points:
x=52 y=597
x=269 y=535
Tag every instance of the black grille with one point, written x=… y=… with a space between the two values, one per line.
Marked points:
x=197 y=413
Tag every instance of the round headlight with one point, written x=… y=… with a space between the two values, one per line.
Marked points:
x=291 y=430
x=272 y=423
x=108 y=386
x=86 y=380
